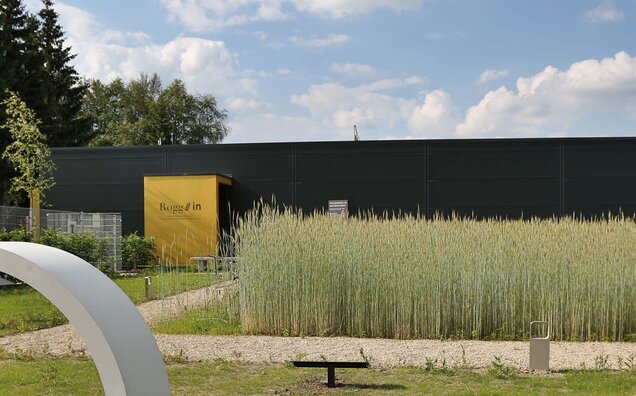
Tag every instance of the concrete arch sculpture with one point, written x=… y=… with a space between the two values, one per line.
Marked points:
x=123 y=347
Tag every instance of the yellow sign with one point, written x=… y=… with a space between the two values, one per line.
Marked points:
x=181 y=212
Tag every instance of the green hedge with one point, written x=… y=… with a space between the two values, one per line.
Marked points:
x=137 y=251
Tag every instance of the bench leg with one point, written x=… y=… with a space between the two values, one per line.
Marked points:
x=331 y=377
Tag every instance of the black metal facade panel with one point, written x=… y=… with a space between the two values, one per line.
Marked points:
x=490 y=164
x=601 y=163
x=500 y=212
x=271 y=163
x=405 y=195
x=508 y=178
x=97 y=197
x=606 y=191
x=600 y=177
x=125 y=166
x=352 y=166
x=494 y=192
x=244 y=194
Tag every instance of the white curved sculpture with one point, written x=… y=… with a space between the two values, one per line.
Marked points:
x=123 y=347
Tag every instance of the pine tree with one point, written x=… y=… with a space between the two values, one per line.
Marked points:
x=15 y=36
x=62 y=89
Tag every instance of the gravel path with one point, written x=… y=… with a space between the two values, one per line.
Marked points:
x=63 y=340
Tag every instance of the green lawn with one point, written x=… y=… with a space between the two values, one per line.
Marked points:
x=25 y=375
x=23 y=309
x=207 y=321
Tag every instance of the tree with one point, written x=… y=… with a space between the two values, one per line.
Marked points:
x=189 y=119
x=28 y=153
x=142 y=112
x=15 y=35
x=35 y=63
x=62 y=90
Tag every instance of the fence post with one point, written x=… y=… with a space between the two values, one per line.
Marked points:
x=115 y=242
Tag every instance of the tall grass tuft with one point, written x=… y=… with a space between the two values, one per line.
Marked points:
x=410 y=277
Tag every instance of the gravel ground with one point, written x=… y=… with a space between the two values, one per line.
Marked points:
x=64 y=340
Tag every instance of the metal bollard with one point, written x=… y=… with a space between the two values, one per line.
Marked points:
x=540 y=349
x=148 y=283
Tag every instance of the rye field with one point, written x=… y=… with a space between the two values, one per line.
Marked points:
x=410 y=277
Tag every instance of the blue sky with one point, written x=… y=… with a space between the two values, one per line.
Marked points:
x=299 y=70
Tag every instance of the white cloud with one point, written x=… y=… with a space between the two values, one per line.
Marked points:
x=271 y=127
x=436 y=117
x=337 y=106
x=237 y=105
x=605 y=12
x=354 y=69
x=551 y=101
x=343 y=8
x=319 y=42
x=283 y=72
x=206 y=66
x=548 y=103
x=206 y=15
x=202 y=15
x=491 y=75
x=392 y=83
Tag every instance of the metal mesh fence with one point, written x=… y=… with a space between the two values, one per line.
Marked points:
x=13 y=217
x=105 y=226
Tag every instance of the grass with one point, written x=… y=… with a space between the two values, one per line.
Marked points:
x=24 y=375
x=203 y=320
x=409 y=277
x=24 y=309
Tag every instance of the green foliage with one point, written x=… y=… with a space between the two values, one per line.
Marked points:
x=142 y=112
x=137 y=251
x=28 y=153
x=86 y=246
x=17 y=235
x=35 y=63
x=499 y=369
x=61 y=87
x=23 y=309
x=211 y=320
x=416 y=278
x=53 y=237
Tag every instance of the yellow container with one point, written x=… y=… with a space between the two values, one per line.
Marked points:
x=182 y=213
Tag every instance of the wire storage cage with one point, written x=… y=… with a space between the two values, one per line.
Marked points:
x=105 y=226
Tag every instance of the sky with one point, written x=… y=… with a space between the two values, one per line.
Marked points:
x=308 y=70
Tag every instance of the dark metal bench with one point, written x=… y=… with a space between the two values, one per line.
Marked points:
x=331 y=368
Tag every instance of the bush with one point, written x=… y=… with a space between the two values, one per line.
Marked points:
x=137 y=251
x=53 y=237
x=17 y=235
x=85 y=246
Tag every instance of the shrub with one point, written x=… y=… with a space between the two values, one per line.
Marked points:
x=53 y=237
x=17 y=235
x=84 y=246
x=137 y=251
